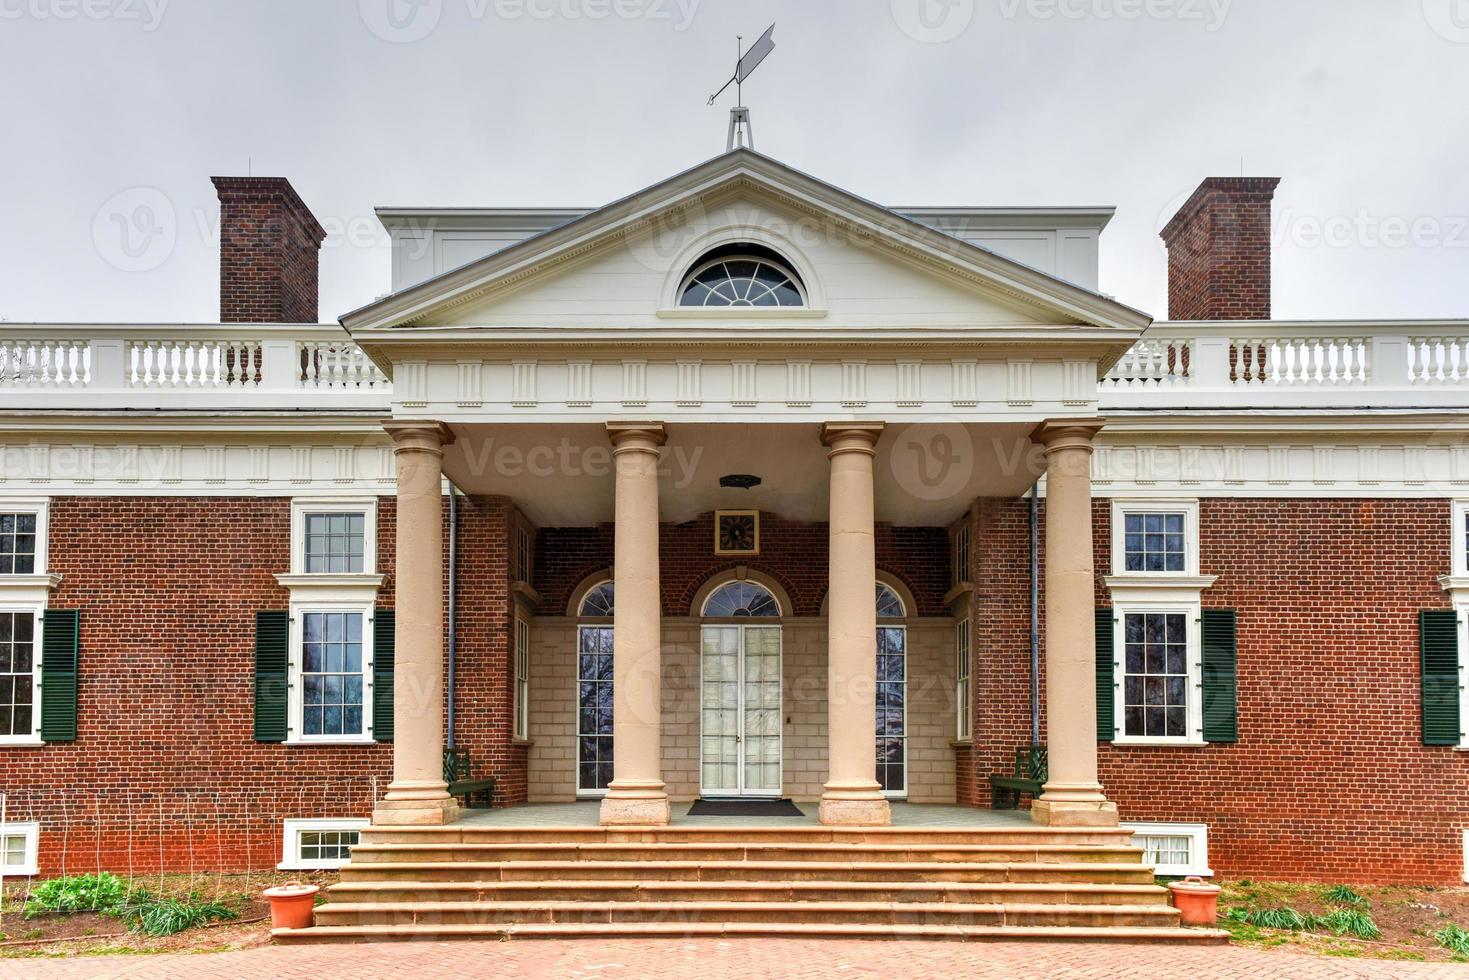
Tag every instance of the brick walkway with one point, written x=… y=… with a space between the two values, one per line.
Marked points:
x=719 y=960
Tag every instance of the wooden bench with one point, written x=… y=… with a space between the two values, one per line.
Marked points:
x=459 y=774
x=1029 y=777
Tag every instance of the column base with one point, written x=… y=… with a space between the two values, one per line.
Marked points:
x=416 y=813
x=854 y=804
x=1074 y=813
x=638 y=803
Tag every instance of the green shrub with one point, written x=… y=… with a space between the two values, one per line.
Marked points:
x=1351 y=922
x=104 y=892
x=166 y=916
x=1285 y=918
x=1343 y=895
x=1454 y=939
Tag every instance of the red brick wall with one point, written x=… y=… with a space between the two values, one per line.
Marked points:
x=1329 y=779
x=165 y=766
x=1219 y=251
x=794 y=553
x=268 y=242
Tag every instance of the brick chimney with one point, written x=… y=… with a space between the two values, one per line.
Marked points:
x=268 y=244
x=1219 y=251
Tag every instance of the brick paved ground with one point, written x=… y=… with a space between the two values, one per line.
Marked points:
x=721 y=959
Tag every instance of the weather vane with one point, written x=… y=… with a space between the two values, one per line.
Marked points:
x=741 y=132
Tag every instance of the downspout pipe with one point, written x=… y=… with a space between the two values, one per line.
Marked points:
x=451 y=640
x=1035 y=619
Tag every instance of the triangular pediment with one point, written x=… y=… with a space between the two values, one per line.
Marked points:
x=621 y=265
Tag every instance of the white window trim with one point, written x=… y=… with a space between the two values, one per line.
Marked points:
x=888 y=623
x=291 y=859
x=301 y=506
x=963 y=682
x=1460 y=565
x=1198 y=846
x=31 y=831
x=1461 y=613
x=35 y=605
x=522 y=679
x=295 y=723
x=41 y=507
x=1466 y=857
x=1189 y=507
x=596 y=623
x=1142 y=602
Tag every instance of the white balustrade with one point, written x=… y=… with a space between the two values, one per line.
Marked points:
x=1303 y=361
x=1438 y=360
x=1152 y=363
x=45 y=364
x=192 y=364
x=336 y=364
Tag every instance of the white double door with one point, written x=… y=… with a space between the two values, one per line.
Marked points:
x=740 y=708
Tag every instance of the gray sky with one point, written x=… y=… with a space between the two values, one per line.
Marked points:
x=112 y=104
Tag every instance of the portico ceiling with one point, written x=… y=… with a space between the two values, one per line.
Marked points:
x=926 y=473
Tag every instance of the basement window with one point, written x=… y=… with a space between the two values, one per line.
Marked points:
x=1173 y=849
x=319 y=843
x=20 y=848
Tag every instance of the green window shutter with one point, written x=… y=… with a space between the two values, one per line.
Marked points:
x=1106 y=678
x=60 y=643
x=1438 y=648
x=272 y=680
x=383 y=622
x=1221 y=709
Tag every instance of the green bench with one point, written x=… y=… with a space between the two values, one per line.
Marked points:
x=459 y=774
x=1029 y=777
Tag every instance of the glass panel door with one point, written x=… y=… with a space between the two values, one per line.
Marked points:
x=594 y=710
x=892 y=709
x=740 y=708
x=762 y=714
x=720 y=711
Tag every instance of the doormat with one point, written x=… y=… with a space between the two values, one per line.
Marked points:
x=745 y=808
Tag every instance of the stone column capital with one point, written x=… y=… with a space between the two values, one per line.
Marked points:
x=421 y=435
x=851 y=437
x=636 y=437
x=1057 y=434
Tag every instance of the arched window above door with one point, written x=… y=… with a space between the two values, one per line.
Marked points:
x=741 y=599
x=889 y=603
x=598 y=600
x=742 y=274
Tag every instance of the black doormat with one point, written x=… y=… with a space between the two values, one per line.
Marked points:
x=744 y=808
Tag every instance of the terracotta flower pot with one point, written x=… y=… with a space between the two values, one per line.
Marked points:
x=292 y=905
x=1197 y=901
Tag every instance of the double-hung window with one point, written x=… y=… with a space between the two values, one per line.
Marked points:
x=1156 y=616
x=333 y=585
x=522 y=679
x=24 y=593
x=962 y=693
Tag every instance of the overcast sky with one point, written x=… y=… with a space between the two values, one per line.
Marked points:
x=126 y=107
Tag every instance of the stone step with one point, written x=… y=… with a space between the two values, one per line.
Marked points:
x=742 y=851
x=627 y=890
x=651 y=930
x=1018 y=834
x=848 y=913
x=1061 y=872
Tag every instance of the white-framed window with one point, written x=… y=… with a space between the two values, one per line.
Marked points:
x=1459 y=536
x=23 y=535
x=334 y=535
x=1155 y=538
x=21 y=625
x=892 y=693
x=331 y=672
x=1466 y=857
x=319 y=843
x=522 y=553
x=960 y=547
x=522 y=678
x=1173 y=849
x=1158 y=652
x=962 y=693
x=594 y=748
x=20 y=848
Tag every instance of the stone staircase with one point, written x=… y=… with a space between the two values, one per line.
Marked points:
x=912 y=882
